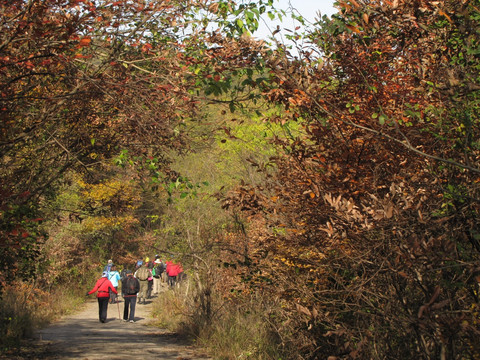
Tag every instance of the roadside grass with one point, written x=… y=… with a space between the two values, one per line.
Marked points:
x=168 y=310
x=25 y=308
x=232 y=332
x=239 y=334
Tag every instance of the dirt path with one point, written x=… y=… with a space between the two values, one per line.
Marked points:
x=82 y=336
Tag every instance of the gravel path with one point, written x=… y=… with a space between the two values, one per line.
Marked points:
x=82 y=336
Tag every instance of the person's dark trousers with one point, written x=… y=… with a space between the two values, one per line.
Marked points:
x=130 y=301
x=149 y=290
x=102 y=308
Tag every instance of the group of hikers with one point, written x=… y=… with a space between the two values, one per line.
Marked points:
x=140 y=283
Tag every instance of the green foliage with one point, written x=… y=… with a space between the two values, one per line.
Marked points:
x=237 y=18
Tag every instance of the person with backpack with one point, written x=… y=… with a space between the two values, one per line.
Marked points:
x=130 y=289
x=114 y=277
x=142 y=275
x=123 y=273
x=150 y=267
x=102 y=287
x=108 y=267
x=157 y=275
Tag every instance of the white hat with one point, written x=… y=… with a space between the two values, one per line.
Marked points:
x=158 y=261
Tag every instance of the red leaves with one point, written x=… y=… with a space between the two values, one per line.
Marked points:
x=19 y=232
x=46 y=62
x=25 y=194
x=29 y=65
x=146 y=47
x=85 y=41
x=164 y=88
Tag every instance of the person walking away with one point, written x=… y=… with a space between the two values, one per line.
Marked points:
x=130 y=289
x=181 y=274
x=168 y=267
x=172 y=272
x=114 y=277
x=123 y=273
x=102 y=287
x=142 y=275
x=157 y=275
x=150 y=267
x=108 y=267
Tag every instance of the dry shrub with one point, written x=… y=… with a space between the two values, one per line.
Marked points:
x=17 y=317
x=169 y=310
x=227 y=327
x=241 y=333
x=25 y=307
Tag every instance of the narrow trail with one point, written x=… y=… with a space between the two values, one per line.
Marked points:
x=82 y=336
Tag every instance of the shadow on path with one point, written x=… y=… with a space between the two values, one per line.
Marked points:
x=82 y=336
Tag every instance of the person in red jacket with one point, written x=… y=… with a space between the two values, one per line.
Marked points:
x=173 y=271
x=103 y=295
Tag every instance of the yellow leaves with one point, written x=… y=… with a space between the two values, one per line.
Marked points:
x=293 y=264
x=111 y=193
x=98 y=223
x=103 y=191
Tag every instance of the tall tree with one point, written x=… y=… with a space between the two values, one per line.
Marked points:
x=371 y=221
x=81 y=80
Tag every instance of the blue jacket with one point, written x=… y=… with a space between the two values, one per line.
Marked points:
x=114 y=276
